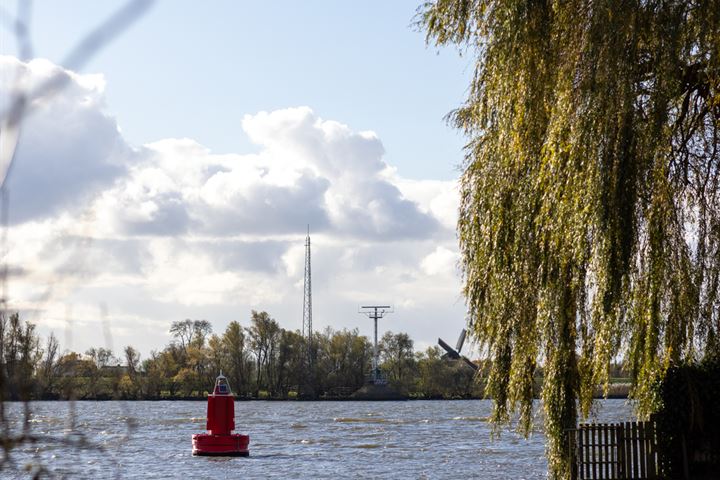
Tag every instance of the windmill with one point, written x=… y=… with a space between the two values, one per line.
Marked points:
x=454 y=353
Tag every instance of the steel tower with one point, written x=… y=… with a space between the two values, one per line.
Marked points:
x=307 y=300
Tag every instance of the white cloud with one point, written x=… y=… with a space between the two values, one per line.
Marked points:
x=69 y=149
x=171 y=230
x=436 y=197
x=442 y=261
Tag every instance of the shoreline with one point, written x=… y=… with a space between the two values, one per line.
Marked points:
x=204 y=399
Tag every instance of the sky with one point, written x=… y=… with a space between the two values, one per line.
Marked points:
x=175 y=174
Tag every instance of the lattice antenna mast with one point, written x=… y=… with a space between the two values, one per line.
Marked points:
x=307 y=299
x=375 y=312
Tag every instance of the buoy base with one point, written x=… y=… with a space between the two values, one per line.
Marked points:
x=230 y=454
x=233 y=445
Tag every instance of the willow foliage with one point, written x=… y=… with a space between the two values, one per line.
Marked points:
x=590 y=214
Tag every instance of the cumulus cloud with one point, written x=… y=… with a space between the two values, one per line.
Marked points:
x=359 y=199
x=442 y=261
x=170 y=229
x=69 y=149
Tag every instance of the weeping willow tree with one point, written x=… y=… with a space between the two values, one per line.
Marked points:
x=590 y=200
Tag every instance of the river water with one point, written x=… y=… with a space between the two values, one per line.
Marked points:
x=413 y=439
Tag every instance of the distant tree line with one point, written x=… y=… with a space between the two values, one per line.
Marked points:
x=262 y=360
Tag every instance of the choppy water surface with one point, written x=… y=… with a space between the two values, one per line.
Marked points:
x=414 y=439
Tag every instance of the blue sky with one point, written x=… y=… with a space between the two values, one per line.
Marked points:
x=192 y=69
x=175 y=175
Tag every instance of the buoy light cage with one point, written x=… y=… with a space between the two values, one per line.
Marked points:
x=219 y=441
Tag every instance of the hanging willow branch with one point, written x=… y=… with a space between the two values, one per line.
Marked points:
x=590 y=211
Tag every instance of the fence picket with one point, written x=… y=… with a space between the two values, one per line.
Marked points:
x=593 y=434
x=588 y=451
x=634 y=449
x=621 y=451
x=642 y=459
x=603 y=446
x=606 y=452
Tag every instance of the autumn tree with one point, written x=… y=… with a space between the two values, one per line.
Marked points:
x=190 y=333
x=48 y=370
x=397 y=358
x=263 y=334
x=200 y=331
x=590 y=198
x=166 y=366
x=129 y=385
x=343 y=359
x=291 y=362
x=94 y=370
x=182 y=331
x=153 y=378
x=238 y=363
x=132 y=360
x=19 y=355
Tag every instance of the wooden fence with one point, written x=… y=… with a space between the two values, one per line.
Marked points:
x=614 y=451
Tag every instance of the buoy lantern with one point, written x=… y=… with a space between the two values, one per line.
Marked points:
x=219 y=439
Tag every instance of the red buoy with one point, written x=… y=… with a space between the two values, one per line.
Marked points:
x=219 y=439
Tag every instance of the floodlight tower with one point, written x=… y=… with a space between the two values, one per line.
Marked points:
x=375 y=312
x=307 y=301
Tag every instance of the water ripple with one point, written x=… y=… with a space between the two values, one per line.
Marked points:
x=418 y=439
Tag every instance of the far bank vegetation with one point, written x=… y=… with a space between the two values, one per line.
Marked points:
x=261 y=360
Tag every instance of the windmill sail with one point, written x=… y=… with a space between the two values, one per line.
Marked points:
x=461 y=341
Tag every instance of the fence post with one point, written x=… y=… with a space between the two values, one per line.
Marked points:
x=652 y=450
x=572 y=453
